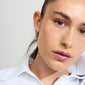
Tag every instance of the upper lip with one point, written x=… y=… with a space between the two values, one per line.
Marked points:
x=63 y=53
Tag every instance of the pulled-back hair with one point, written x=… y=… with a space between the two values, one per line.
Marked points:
x=34 y=53
x=44 y=6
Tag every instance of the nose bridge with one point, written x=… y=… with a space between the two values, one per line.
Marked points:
x=67 y=39
x=69 y=35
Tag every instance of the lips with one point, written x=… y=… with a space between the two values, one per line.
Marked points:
x=62 y=53
x=62 y=56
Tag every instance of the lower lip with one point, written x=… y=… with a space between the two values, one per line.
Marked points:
x=61 y=57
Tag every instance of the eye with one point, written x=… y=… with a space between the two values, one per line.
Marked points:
x=60 y=22
x=82 y=31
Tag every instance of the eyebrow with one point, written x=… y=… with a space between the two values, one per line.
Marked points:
x=63 y=15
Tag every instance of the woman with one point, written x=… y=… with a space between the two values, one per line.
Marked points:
x=60 y=36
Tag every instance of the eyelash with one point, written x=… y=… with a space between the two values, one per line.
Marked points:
x=82 y=31
x=60 y=22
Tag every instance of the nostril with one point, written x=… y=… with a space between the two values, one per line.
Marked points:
x=66 y=44
x=63 y=44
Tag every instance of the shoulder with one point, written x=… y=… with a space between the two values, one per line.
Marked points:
x=12 y=72
x=7 y=73
x=9 y=76
x=3 y=72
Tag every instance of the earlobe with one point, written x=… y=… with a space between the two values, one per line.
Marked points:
x=36 y=29
x=36 y=19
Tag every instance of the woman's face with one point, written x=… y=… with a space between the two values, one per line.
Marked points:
x=62 y=29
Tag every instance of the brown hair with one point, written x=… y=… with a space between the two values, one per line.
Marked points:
x=34 y=53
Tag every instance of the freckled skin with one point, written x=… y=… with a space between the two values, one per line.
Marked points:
x=53 y=36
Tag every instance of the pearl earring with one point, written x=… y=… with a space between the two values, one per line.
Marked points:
x=36 y=29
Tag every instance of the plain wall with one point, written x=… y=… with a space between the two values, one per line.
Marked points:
x=16 y=29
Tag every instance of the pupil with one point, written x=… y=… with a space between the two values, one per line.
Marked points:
x=83 y=31
x=59 y=22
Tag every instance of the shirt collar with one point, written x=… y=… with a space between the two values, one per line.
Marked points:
x=18 y=70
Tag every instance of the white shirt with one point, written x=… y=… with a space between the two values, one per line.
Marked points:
x=22 y=75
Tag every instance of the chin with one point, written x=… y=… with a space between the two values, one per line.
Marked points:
x=58 y=67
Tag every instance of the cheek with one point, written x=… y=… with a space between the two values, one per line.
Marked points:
x=46 y=39
x=79 y=45
x=50 y=34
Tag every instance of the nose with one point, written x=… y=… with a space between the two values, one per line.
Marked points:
x=66 y=40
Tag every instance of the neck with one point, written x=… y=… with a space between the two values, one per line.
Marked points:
x=44 y=73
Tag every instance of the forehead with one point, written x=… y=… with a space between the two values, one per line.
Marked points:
x=74 y=8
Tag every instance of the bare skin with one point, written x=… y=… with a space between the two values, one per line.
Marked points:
x=67 y=36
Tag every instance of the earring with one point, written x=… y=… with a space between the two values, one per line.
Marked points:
x=36 y=29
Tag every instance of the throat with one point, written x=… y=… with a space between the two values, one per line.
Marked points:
x=46 y=75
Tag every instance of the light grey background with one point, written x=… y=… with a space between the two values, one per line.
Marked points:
x=16 y=29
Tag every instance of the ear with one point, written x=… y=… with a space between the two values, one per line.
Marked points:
x=36 y=19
